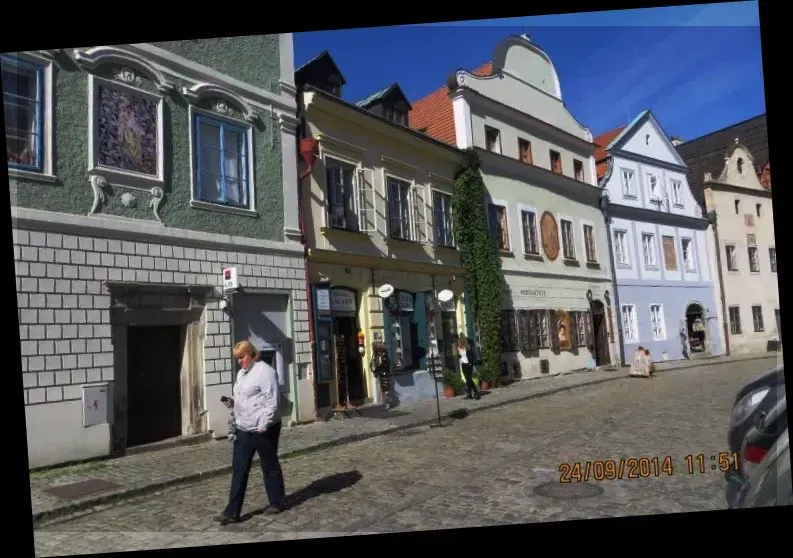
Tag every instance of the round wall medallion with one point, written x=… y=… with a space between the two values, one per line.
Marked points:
x=550 y=235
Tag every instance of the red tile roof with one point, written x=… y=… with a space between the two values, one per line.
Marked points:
x=434 y=115
x=601 y=142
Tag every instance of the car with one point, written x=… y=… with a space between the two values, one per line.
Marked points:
x=770 y=483
x=753 y=399
x=760 y=438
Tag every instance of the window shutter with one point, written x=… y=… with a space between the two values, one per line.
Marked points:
x=367 y=216
x=419 y=224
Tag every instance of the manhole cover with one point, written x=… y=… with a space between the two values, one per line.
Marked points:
x=80 y=489
x=570 y=491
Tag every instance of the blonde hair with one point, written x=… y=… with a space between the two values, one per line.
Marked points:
x=245 y=348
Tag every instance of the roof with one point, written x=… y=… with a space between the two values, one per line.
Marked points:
x=601 y=143
x=381 y=94
x=323 y=60
x=434 y=115
x=706 y=153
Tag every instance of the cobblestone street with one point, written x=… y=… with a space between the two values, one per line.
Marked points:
x=479 y=470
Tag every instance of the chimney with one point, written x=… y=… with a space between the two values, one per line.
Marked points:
x=676 y=141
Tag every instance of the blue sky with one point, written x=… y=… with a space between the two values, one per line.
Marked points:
x=699 y=68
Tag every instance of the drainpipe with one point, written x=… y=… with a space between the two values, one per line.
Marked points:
x=307 y=149
x=714 y=223
x=604 y=208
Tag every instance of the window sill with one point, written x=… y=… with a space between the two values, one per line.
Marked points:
x=32 y=175
x=624 y=266
x=571 y=262
x=506 y=253
x=593 y=265
x=679 y=205
x=404 y=241
x=223 y=209
x=632 y=197
x=651 y=268
x=338 y=230
x=533 y=257
x=446 y=247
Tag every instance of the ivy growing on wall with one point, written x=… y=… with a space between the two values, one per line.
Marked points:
x=480 y=259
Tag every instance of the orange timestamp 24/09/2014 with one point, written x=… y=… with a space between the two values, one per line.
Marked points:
x=645 y=467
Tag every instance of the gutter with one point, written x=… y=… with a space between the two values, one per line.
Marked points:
x=722 y=299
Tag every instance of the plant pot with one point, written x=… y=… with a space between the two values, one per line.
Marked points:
x=448 y=391
x=485 y=385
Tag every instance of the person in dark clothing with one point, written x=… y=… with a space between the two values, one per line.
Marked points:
x=467 y=364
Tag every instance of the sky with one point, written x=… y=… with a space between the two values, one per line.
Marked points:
x=698 y=67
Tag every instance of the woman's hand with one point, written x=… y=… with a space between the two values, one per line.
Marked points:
x=228 y=402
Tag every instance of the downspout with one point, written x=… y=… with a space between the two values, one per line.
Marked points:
x=306 y=147
x=725 y=318
x=604 y=208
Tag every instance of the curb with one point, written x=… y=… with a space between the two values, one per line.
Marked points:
x=714 y=361
x=70 y=509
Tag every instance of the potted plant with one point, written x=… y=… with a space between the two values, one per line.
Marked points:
x=451 y=382
x=488 y=380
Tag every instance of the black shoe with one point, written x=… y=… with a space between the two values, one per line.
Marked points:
x=477 y=397
x=274 y=510
x=224 y=519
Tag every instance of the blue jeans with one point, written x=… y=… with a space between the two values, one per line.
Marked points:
x=266 y=445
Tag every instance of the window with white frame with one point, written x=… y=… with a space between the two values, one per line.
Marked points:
x=442 y=205
x=735 y=320
x=529 y=224
x=677 y=192
x=222 y=156
x=629 y=323
x=340 y=186
x=757 y=318
x=772 y=259
x=568 y=239
x=499 y=226
x=754 y=255
x=621 y=253
x=657 y=322
x=399 y=209
x=652 y=186
x=731 y=256
x=589 y=243
x=24 y=112
x=628 y=183
x=648 y=247
x=689 y=261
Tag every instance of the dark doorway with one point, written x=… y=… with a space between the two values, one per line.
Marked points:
x=154 y=403
x=347 y=328
x=600 y=334
x=778 y=317
x=696 y=327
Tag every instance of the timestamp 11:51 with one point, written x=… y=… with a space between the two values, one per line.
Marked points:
x=723 y=461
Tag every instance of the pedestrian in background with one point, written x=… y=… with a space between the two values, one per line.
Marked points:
x=257 y=420
x=467 y=364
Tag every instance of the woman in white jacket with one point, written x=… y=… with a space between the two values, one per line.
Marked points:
x=257 y=421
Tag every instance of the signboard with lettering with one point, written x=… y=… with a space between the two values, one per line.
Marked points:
x=641 y=364
x=405 y=301
x=342 y=302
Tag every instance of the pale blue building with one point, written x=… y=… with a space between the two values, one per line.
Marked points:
x=665 y=297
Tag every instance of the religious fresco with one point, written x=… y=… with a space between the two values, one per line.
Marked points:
x=127 y=132
x=550 y=236
x=563 y=330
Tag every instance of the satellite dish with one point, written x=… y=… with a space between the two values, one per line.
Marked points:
x=445 y=295
x=385 y=290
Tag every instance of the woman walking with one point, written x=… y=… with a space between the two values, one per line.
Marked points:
x=467 y=364
x=257 y=423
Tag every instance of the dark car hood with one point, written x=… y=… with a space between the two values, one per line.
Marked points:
x=775 y=376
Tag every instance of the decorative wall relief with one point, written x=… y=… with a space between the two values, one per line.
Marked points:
x=127 y=131
x=100 y=188
x=550 y=235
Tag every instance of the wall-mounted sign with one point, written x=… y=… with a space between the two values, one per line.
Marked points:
x=527 y=292
x=342 y=301
x=323 y=300
x=405 y=301
x=230 y=282
x=385 y=291
x=550 y=235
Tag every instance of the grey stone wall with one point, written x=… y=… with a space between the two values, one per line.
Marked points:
x=64 y=319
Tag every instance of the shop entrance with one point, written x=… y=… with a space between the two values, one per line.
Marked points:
x=348 y=361
x=600 y=334
x=696 y=330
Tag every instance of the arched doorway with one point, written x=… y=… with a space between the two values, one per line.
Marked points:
x=696 y=330
x=600 y=335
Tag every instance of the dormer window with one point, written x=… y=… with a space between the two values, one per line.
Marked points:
x=397 y=116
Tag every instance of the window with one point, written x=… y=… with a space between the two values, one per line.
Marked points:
x=529 y=223
x=395 y=115
x=670 y=254
x=772 y=259
x=23 y=108
x=580 y=329
x=533 y=326
x=492 y=139
x=652 y=184
x=341 y=185
x=748 y=219
x=648 y=246
x=399 y=209
x=568 y=239
x=758 y=209
x=732 y=260
x=754 y=256
x=628 y=183
x=221 y=163
x=578 y=170
x=657 y=322
x=677 y=193
x=442 y=204
x=737 y=207
x=510 y=341
x=524 y=151
x=735 y=320
x=629 y=328
x=499 y=227
x=621 y=247
x=556 y=162
x=687 y=246
x=589 y=244
x=757 y=319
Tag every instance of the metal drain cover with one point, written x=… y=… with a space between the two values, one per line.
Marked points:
x=75 y=490
x=571 y=491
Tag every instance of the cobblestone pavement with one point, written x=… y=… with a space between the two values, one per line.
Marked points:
x=479 y=470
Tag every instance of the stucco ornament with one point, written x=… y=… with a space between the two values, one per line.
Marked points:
x=128 y=75
x=157 y=195
x=128 y=200
x=222 y=107
x=99 y=183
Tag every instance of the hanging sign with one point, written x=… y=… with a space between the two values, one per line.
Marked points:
x=405 y=301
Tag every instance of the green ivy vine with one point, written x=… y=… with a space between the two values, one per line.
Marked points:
x=480 y=259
